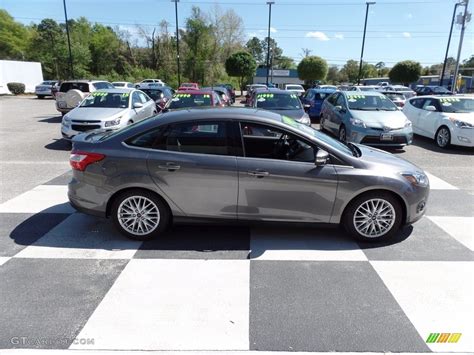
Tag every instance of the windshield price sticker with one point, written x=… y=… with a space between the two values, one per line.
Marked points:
x=98 y=93
x=449 y=100
x=293 y=96
x=267 y=96
x=356 y=96
x=207 y=96
x=289 y=121
x=125 y=94
x=182 y=95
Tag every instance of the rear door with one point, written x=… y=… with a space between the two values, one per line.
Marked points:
x=278 y=179
x=427 y=120
x=194 y=165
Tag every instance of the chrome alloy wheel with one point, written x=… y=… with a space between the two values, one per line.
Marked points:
x=138 y=215
x=443 y=137
x=374 y=218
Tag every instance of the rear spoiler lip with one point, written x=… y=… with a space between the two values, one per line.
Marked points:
x=90 y=137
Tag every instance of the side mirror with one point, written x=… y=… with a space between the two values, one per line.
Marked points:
x=321 y=158
x=306 y=107
x=137 y=105
x=340 y=108
x=430 y=108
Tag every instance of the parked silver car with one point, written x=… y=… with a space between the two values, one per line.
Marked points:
x=240 y=164
x=108 y=109
x=44 y=89
x=365 y=117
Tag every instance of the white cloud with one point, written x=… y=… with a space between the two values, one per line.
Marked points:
x=320 y=36
x=408 y=16
x=339 y=36
x=273 y=30
x=406 y=34
x=252 y=34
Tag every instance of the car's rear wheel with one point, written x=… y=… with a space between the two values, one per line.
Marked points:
x=443 y=137
x=373 y=217
x=342 y=134
x=140 y=214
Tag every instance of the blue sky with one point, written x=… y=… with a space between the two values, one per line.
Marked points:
x=332 y=29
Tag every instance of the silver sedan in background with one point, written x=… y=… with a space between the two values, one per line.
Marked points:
x=108 y=109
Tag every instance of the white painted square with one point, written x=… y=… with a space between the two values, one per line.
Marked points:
x=438 y=184
x=174 y=305
x=303 y=244
x=4 y=259
x=43 y=198
x=436 y=296
x=82 y=237
x=460 y=228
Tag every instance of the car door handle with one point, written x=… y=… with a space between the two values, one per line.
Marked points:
x=170 y=166
x=258 y=173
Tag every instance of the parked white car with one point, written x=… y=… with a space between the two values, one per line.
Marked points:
x=446 y=119
x=405 y=90
x=148 y=83
x=123 y=84
x=297 y=89
x=72 y=92
x=108 y=109
x=363 y=88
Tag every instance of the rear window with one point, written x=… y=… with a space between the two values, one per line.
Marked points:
x=190 y=100
x=65 y=87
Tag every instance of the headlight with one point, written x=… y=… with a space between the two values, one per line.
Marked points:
x=460 y=124
x=113 y=122
x=407 y=123
x=305 y=120
x=358 y=123
x=66 y=120
x=417 y=179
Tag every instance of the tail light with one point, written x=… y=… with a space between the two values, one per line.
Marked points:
x=80 y=160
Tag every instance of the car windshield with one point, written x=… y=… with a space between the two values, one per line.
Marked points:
x=370 y=103
x=317 y=134
x=394 y=96
x=365 y=88
x=106 y=100
x=271 y=101
x=440 y=89
x=294 y=87
x=190 y=100
x=153 y=93
x=457 y=105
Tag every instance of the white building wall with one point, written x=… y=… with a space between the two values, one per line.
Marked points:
x=28 y=73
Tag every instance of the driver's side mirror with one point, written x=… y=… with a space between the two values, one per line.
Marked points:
x=430 y=108
x=137 y=105
x=340 y=108
x=321 y=157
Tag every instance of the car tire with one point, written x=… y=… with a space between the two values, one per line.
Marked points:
x=362 y=217
x=321 y=123
x=132 y=223
x=443 y=137
x=342 y=134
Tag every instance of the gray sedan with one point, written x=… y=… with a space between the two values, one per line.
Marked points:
x=240 y=164
x=365 y=117
x=108 y=109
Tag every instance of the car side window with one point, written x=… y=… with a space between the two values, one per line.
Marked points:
x=341 y=101
x=136 y=98
x=143 y=97
x=309 y=95
x=418 y=103
x=149 y=139
x=332 y=99
x=262 y=141
x=431 y=102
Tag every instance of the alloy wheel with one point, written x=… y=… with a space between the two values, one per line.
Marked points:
x=138 y=215
x=374 y=218
x=443 y=137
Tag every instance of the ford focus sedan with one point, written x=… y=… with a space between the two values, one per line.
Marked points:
x=367 y=118
x=107 y=109
x=238 y=164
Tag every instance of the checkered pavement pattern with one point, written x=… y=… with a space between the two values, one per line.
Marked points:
x=66 y=275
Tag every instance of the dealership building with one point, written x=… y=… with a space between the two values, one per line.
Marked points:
x=279 y=77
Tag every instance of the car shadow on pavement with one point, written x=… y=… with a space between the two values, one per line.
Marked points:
x=76 y=234
x=59 y=144
x=49 y=119
x=429 y=144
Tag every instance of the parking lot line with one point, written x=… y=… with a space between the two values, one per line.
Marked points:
x=460 y=228
x=438 y=184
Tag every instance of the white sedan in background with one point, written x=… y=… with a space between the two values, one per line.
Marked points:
x=107 y=109
x=446 y=119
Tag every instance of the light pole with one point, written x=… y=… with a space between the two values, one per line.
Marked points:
x=461 y=38
x=269 y=3
x=449 y=42
x=177 y=40
x=363 y=39
x=71 y=68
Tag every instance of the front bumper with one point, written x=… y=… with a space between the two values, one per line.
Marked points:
x=462 y=136
x=68 y=131
x=43 y=93
x=378 y=137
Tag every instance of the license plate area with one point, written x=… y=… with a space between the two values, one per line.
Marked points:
x=386 y=137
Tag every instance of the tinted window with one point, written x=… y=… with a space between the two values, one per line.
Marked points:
x=309 y=95
x=143 y=97
x=262 y=141
x=190 y=100
x=321 y=95
x=149 y=139
x=341 y=101
x=155 y=94
x=418 y=103
x=103 y=85
x=431 y=102
x=65 y=87
x=332 y=99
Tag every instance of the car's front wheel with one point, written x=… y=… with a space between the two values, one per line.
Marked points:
x=443 y=137
x=342 y=134
x=140 y=214
x=373 y=217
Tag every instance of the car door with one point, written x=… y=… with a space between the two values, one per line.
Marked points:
x=194 y=165
x=149 y=106
x=412 y=110
x=138 y=113
x=329 y=111
x=274 y=186
x=340 y=111
x=427 y=119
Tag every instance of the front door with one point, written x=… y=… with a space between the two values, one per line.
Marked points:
x=278 y=179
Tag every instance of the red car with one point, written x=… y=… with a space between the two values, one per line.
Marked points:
x=188 y=86
x=193 y=98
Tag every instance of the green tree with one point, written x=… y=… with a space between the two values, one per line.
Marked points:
x=241 y=65
x=312 y=68
x=405 y=72
x=255 y=48
x=350 y=71
x=14 y=38
x=333 y=74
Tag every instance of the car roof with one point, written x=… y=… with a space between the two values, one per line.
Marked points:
x=366 y=93
x=117 y=90
x=84 y=81
x=323 y=90
x=273 y=90
x=391 y=92
x=443 y=97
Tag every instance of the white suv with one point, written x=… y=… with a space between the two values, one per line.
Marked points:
x=149 y=83
x=72 y=92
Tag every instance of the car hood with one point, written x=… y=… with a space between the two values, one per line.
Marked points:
x=95 y=113
x=381 y=119
x=384 y=161
x=295 y=114
x=465 y=117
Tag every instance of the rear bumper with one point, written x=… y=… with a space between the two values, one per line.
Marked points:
x=88 y=198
